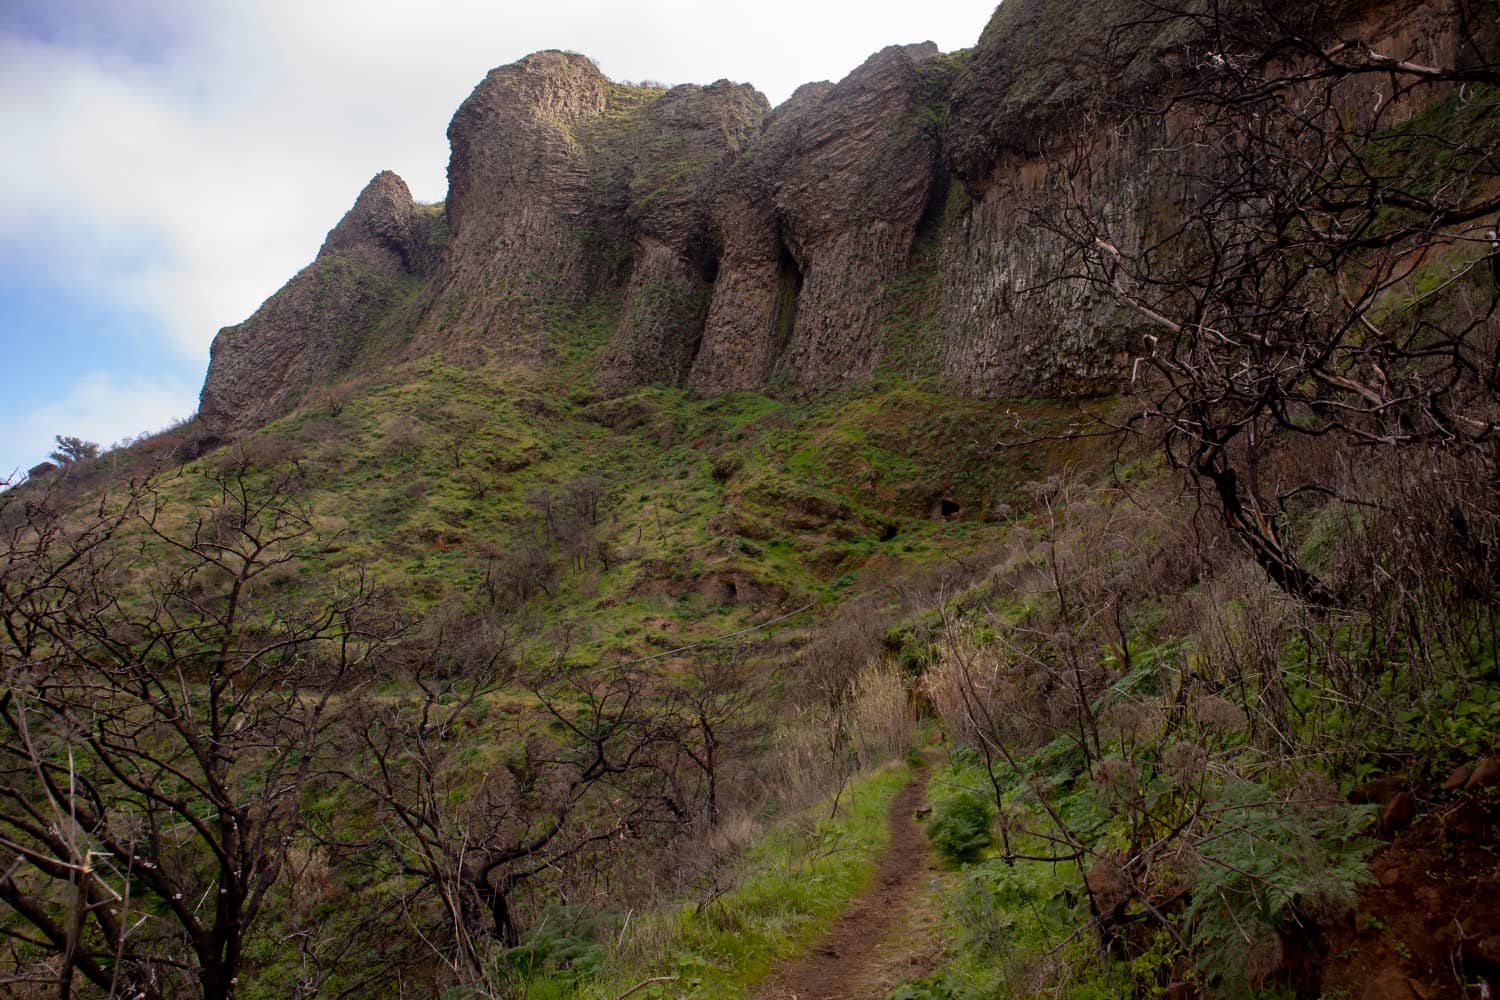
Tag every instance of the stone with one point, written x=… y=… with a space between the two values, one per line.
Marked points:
x=309 y=332
x=1456 y=778
x=1465 y=820
x=1486 y=774
x=1389 y=983
x=1398 y=812
x=1376 y=791
x=1423 y=990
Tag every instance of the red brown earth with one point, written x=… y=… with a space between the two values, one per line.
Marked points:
x=1429 y=928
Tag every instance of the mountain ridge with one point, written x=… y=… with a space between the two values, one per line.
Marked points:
x=883 y=224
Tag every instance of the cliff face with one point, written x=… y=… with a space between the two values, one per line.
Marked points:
x=564 y=185
x=816 y=220
x=883 y=223
x=309 y=331
x=661 y=171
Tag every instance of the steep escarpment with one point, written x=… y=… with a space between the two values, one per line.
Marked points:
x=740 y=245
x=658 y=174
x=564 y=185
x=310 y=330
x=1044 y=113
x=819 y=219
x=893 y=222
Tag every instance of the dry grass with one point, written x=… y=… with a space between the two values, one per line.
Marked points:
x=879 y=715
x=805 y=758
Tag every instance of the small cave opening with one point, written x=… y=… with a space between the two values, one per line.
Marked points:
x=889 y=532
x=930 y=224
x=789 y=280
x=790 y=270
x=944 y=509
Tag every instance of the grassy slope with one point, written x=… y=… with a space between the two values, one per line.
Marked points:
x=425 y=477
x=431 y=470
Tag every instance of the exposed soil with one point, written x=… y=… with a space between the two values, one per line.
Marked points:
x=1430 y=927
x=887 y=935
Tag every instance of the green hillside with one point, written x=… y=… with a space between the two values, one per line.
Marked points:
x=490 y=667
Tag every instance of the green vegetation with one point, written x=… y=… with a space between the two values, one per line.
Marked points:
x=1131 y=746
x=780 y=895
x=463 y=680
x=436 y=475
x=960 y=826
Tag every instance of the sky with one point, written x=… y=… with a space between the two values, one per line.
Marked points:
x=168 y=164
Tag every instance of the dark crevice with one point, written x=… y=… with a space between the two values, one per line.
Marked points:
x=789 y=281
x=944 y=509
x=930 y=225
x=707 y=263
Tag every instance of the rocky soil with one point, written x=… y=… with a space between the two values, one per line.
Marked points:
x=1430 y=926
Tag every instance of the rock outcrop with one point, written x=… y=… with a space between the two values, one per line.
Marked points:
x=565 y=185
x=885 y=223
x=1049 y=80
x=815 y=222
x=318 y=323
x=518 y=204
x=661 y=173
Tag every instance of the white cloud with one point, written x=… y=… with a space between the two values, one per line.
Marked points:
x=191 y=181
x=99 y=407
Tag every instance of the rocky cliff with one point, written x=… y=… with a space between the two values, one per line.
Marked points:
x=307 y=333
x=883 y=224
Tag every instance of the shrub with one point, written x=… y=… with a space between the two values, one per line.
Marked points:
x=960 y=827
x=564 y=940
x=922 y=989
x=1297 y=859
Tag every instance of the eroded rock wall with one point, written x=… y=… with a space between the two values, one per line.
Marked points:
x=1038 y=111
x=308 y=333
x=665 y=167
x=518 y=205
x=888 y=223
x=851 y=198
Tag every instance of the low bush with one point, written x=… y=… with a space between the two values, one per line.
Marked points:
x=960 y=828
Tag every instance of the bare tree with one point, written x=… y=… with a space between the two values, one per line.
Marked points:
x=161 y=710
x=467 y=836
x=712 y=721
x=1325 y=269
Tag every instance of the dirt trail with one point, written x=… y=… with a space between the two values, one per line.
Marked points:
x=886 y=936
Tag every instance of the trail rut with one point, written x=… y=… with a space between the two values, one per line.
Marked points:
x=886 y=936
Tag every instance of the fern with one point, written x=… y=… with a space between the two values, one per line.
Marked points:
x=1267 y=863
x=960 y=827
